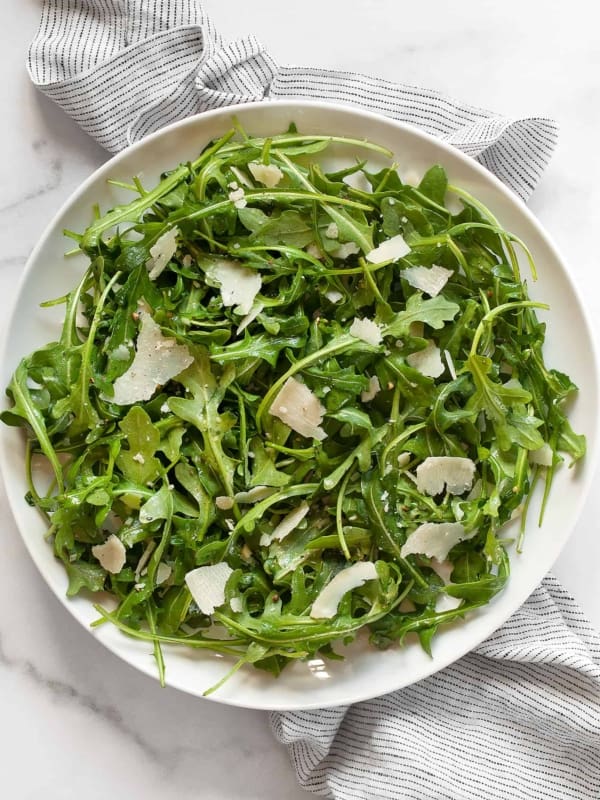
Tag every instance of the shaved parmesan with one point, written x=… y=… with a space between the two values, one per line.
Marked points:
x=289 y=523
x=299 y=408
x=390 y=250
x=111 y=554
x=428 y=361
x=435 y=539
x=161 y=252
x=163 y=573
x=223 y=502
x=445 y=602
x=236 y=605
x=453 y=472
x=367 y=330
x=430 y=280
x=250 y=317
x=345 y=250
x=374 y=389
x=327 y=602
x=403 y=459
x=314 y=250
x=267 y=174
x=237 y=197
x=543 y=456
x=332 y=231
x=207 y=586
x=156 y=361
x=239 y=286
x=254 y=495
x=333 y=295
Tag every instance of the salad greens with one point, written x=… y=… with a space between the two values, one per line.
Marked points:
x=172 y=475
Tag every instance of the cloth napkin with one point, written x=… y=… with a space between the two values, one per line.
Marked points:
x=519 y=717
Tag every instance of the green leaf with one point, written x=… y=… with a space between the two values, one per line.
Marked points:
x=83 y=575
x=202 y=410
x=434 y=184
x=138 y=463
x=434 y=312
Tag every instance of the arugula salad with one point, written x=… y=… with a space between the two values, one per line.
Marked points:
x=290 y=404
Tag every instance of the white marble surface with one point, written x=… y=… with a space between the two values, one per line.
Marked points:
x=76 y=722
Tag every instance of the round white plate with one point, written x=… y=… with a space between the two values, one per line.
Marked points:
x=365 y=672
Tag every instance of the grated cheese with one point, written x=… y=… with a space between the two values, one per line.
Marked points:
x=237 y=197
x=163 y=573
x=333 y=295
x=450 y=362
x=236 y=605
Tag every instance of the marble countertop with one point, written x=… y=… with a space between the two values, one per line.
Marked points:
x=76 y=722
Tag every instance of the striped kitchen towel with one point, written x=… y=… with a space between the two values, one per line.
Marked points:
x=125 y=69
x=520 y=716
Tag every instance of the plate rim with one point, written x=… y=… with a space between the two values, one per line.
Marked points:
x=113 y=162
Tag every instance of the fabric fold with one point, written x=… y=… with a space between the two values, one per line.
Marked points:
x=518 y=717
x=126 y=68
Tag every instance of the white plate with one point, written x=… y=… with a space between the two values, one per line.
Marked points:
x=365 y=673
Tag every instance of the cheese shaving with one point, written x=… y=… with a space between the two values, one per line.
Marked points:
x=345 y=250
x=374 y=388
x=238 y=285
x=367 y=330
x=430 y=280
x=250 y=317
x=207 y=586
x=435 y=539
x=111 y=554
x=542 y=456
x=289 y=523
x=300 y=409
x=161 y=252
x=453 y=472
x=157 y=359
x=267 y=174
x=326 y=604
x=390 y=250
x=427 y=361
